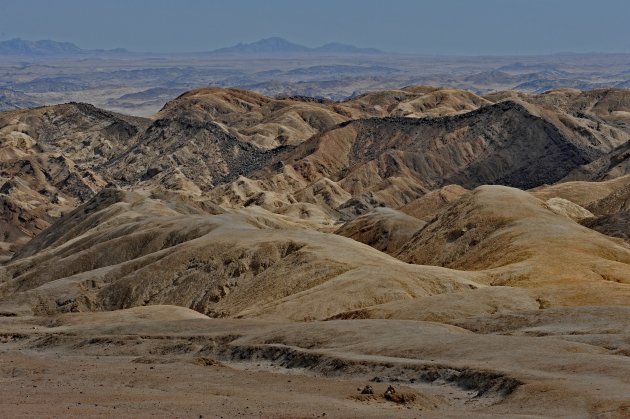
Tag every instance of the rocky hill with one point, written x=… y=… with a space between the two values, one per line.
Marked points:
x=51 y=160
x=471 y=252
x=293 y=155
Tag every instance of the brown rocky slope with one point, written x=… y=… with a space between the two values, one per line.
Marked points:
x=200 y=256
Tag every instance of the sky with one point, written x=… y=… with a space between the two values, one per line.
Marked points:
x=451 y=27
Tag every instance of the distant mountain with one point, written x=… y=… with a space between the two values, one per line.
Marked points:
x=22 y=47
x=273 y=45
x=335 y=47
x=19 y=46
x=280 y=46
x=264 y=47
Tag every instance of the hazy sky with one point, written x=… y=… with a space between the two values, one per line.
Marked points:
x=426 y=27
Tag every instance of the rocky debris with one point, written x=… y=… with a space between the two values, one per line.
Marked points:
x=400 y=398
x=390 y=390
x=206 y=362
x=152 y=360
x=367 y=390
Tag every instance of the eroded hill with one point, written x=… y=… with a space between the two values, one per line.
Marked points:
x=473 y=252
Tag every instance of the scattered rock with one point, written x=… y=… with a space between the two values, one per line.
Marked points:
x=400 y=398
x=390 y=390
x=367 y=390
x=152 y=360
x=206 y=362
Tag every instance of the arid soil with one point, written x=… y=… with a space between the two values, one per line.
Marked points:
x=242 y=255
x=169 y=361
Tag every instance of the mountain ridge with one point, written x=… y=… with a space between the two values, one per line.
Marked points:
x=47 y=48
x=317 y=160
x=271 y=46
x=280 y=46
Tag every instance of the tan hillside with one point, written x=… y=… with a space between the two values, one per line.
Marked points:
x=51 y=160
x=123 y=250
x=408 y=252
x=433 y=202
x=382 y=228
x=601 y=198
x=519 y=241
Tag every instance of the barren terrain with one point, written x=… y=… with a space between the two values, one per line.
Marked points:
x=141 y=83
x=237 y=254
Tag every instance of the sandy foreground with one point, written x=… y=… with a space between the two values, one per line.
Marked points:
x=172 y=362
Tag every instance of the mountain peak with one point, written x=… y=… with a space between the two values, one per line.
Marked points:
x=18 y=46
